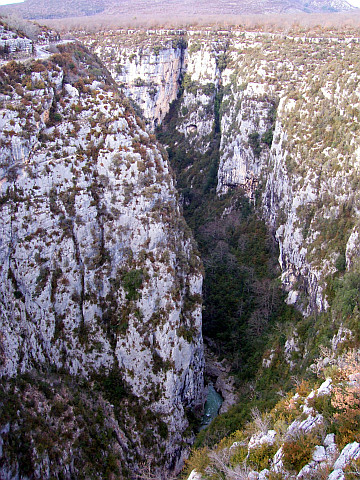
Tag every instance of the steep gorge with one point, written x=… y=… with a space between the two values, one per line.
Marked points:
x=287 y=129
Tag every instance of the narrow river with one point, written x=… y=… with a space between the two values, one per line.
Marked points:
x=212 y=406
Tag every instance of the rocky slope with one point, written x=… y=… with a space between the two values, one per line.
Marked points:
x=100 y=279
x=312 y=434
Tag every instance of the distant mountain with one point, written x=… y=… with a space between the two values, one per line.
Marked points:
x=37 y=9
x=329 y=5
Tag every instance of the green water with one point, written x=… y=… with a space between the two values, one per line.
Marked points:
x=212 y=406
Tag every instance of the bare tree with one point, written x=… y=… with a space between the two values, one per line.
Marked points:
x=261 y=422
x=15 y=22
x=149 y=471
x=220 y=467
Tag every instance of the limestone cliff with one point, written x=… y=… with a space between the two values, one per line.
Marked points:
x=99 y=274
x=149 y=72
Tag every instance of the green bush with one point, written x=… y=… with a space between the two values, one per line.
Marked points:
x=322 y=404
x=267 y=137
x=132 y=282
x=198 y=461
x=340 y=263
x=163 y=430
x=254 y=142
x=112 y=385
x=348 y=293
x=189 y=85
x=222 y=61
x=239 y=455
x=56 y=117
x=260 y=457
x=195 y=47
x=352 y=471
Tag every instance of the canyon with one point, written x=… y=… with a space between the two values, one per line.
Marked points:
x=130 y=177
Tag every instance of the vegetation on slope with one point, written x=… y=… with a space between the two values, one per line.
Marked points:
x=47 y=419
x=285 y=439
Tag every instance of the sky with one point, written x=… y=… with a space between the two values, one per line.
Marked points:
x=356 y=3
x=7 y=2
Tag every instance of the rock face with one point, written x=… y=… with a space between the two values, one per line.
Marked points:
x=288 y=138
x=247 y=120
x=149 y=73
x=98 y=269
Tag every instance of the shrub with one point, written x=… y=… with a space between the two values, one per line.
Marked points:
x=238 y=456
x=58 y=408
x=297 y=451
x=323 y=405
x=267 y=137
x=163 y=430
x=189 y=85
x=195 y=47
x=340 y=263
x=199 y=460
x=276 y=476
x=254 y=142
x=303 y=389
x=222 y=61
x=348 y=294
x=260 y=457
x=38 y=67
x=112 y=385
x=186 y=332
x=346 y=401
x=287 y=409
x=352 y=471
x=179 y=42
x=42 y=279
